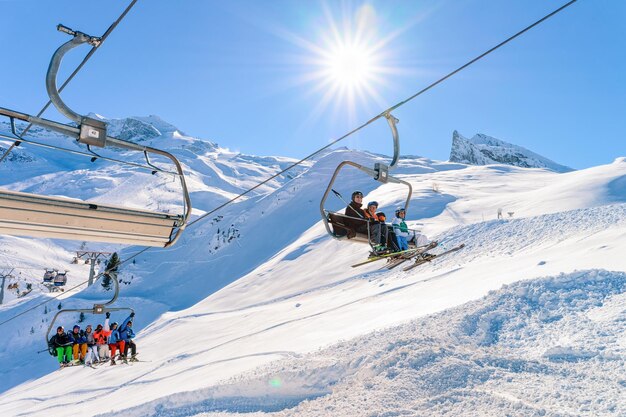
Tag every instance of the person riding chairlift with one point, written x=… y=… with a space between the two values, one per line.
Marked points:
x=378 y=226
x=403 y=234
x=61 y=344
x=115 y=341
x=359 y=221
x=127 y=334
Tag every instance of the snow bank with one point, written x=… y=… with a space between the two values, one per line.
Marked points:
x=551 y=346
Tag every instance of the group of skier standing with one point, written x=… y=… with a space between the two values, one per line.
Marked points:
x=90 y=346
x=373 y=223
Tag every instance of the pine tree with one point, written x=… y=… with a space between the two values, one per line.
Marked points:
x=59 y=306
x=81 y=318
x=111 y=271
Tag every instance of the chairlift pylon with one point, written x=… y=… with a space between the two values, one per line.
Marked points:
x=23 y=214
x=333 y=221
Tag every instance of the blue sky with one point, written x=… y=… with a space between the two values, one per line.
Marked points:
x=261 y=76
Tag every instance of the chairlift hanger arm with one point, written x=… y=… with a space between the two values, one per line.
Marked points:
x=392 y=121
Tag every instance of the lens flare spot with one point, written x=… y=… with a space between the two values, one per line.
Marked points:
x=275 y=382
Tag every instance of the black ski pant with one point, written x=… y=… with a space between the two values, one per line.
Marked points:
x=377 y=232
x=133 y=348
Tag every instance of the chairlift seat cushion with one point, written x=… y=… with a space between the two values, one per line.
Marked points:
x=340 y=229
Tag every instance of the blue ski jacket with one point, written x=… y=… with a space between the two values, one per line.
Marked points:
x=77 y=338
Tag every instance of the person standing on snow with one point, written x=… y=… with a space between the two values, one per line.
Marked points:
x=403 y=234
x=62 y=345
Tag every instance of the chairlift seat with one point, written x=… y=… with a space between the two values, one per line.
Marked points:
x=342 y=231
x=23 y=214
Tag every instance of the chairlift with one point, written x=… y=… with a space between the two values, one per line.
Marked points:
x=97 y=309
x=60 y=279
x=334 y=222
x=23 y=214
x=49 y=275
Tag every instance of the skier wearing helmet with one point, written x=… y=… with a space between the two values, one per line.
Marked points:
x=115 y=341
x=378 y=228
x=101 y=336
x=61 y=345
x=403 y=234
x=79 y=340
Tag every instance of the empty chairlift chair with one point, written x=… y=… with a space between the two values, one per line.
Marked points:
x=23 y=214
x=60 y=279
x=48 y=276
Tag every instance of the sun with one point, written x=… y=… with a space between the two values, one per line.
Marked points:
x=343 y=61
x=350 y=66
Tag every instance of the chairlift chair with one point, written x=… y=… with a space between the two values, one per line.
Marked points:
x=60 y=279
x=49 y=275
x=334 y=222
x=97 y=309
x=23 y=214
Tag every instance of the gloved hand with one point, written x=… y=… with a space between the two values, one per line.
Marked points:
x=132 y=314
x=108 y=314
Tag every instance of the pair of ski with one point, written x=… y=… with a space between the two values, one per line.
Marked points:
x=399 y=256
x=422 y=258
x=419 y=254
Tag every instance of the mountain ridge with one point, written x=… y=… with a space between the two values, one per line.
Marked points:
x=482 y=149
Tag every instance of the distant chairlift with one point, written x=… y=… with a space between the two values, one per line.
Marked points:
x=23 y=214
x=60 y=279
x=49 y=275
x=334 y=221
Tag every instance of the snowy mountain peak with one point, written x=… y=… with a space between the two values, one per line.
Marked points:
x=485 y=150
x=132 y=129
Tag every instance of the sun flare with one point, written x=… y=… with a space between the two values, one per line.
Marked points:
x=347 y=62
x=350 y=66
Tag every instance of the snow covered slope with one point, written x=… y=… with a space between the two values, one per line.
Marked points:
x=260 y=284
x=485 y=150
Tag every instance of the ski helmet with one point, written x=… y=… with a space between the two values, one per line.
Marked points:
x=372 y=203
x=399 y=210
x=357 y=194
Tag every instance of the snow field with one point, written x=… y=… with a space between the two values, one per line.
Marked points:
x=281 y=295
